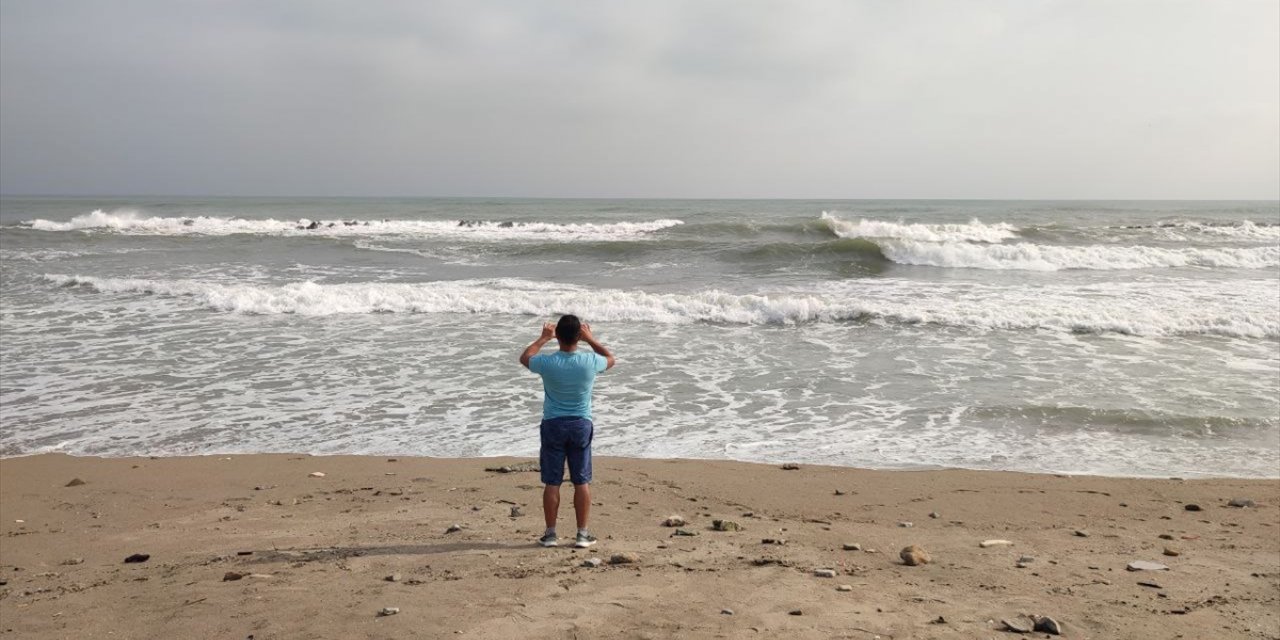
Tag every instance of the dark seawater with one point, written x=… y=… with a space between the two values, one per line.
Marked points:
x=1118 y=338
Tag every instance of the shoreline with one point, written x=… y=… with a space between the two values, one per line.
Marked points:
x=314 y=553
x=913 y=469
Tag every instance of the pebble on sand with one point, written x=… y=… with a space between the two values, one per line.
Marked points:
x=673 y=521
x=796 y=612
x=1172 y=552
x=1143 y=565
x=824 y=573
x=934 y=515
x=725 y=525
x=845 y=587
x=986 y=544
x=75 y=482
x=72 y=561
x=388 y=611
x=516 y=512
x=906 y=525
x=316 y=474
x=626 y=557
x=395 y=577
x=1241 y=503
x=1080 y=533
x=138 y=557
x=1048 y=625
x=914 y=556
x=1018 y=625
x=231 y=576
x=1192 y=507
x=790 y=466
x=453 y=528
x=851 y=546
x=592 y=562
x=726 y=612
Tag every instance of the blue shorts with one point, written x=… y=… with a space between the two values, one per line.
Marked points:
x=566 y=439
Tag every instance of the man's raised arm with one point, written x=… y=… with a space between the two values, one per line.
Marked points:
x=586 y=336
x=548 y=332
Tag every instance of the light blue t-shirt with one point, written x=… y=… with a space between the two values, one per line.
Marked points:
x=567 y=378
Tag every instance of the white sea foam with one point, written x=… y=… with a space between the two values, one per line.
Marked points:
x=1036 y=257
x=974 y=231
x=1244 y=230
x=1243 y=308
x=135 y=223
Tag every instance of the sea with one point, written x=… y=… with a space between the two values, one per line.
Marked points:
x=1128 y=338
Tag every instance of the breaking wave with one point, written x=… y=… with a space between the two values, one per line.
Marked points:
x=1036 y=257
x=981 y=246
x=974 y=231
x=1178 y=307
x=134 y=223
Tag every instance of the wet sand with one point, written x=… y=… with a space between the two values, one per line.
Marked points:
x=315 y=553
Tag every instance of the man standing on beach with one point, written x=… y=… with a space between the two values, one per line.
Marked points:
x=567 y=378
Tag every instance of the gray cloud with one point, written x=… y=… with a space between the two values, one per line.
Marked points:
x=659 y=99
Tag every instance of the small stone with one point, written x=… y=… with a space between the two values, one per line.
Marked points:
x=1165 y=536
x=851 y=546
x=790 y=466
x=138 y=557
x=726 y=612
x=986 y=544
x=1192 y=507
x=391 y=460
x=1018 y=625
x=1143 y=565
x=673 y=521
x=453 y=528
x=777 y=541
x=1045 y=624
x=824 y=573
x=73 y=561
x=845 y=587
x=624 y=558
x=1242 y=503
x=75 y=482
x=1026 y=559
x=592 y=562
x=395 y=577
x=516 y=512
x=795 y=612
x=1149 y=583
x=1171 y=552
x=934 y=515
x=938 y=620
x=388 y=611
x=914 y=556
x=232 y=575
x=1080 y=533
x=839 y=492
x=685 y=532
x=906 y=525
x=725 y=525
x=316 y=474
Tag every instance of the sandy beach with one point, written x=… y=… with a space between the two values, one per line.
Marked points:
x=255 y=546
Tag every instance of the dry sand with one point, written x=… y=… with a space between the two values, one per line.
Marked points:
x=318 y=551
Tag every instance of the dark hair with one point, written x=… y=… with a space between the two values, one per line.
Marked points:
x=568 y=328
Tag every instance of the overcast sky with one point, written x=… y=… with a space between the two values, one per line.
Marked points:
x=1016 y=99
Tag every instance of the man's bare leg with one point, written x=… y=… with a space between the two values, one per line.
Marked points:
x=581 y=503
x=551 y=504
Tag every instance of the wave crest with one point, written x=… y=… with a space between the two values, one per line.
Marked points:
x=134 y=223
x=1184 y=307
x=974 y=231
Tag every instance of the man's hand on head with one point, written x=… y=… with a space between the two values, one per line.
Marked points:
x=548 y=331
x=584 y=333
